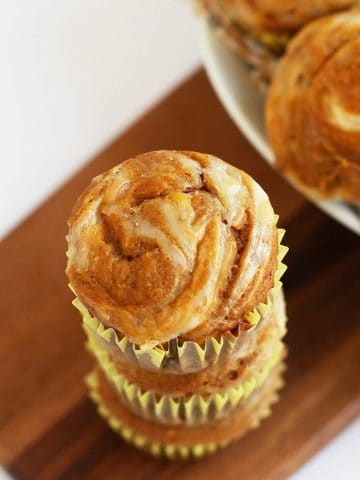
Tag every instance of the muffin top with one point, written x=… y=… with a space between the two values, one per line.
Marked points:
x=313 y=108
x=275 y=15
x=172 y=244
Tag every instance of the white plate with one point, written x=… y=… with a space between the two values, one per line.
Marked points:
x=245 y=105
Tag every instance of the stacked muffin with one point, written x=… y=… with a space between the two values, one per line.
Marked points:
x=175 y=259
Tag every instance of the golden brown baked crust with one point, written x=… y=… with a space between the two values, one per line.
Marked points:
x=261 y=16
x=313 y=108
x=171 y=244
x=221 y=431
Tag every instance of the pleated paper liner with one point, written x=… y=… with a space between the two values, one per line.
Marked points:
x=172 y=450
x=175 y=408
x=192 y=409
x=189 y=356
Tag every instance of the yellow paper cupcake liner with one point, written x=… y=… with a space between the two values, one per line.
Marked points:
x=189 y=356
x=188 y=410
x=171 y=451
x=157 y=449
x=266 y=412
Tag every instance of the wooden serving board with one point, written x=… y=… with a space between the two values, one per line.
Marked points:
x=48 y=427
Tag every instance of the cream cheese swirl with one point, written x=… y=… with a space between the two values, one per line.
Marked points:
x=313 y=108
x=171 y=244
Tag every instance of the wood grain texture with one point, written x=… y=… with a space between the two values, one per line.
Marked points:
x=48 y=428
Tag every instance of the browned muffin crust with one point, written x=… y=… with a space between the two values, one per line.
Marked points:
x=172 y=244
x=313 y=109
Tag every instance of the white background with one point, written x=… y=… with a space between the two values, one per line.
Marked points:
x=75 y=73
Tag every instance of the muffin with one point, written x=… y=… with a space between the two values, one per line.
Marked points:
x=183 y=442
x=260 y=30
x=175 y=260
x=313 y=109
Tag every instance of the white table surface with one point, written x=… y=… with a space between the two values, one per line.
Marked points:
x=75 y=73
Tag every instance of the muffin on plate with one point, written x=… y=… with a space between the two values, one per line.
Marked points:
x=259 y=30
x=175 y=259
x=313 y=109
